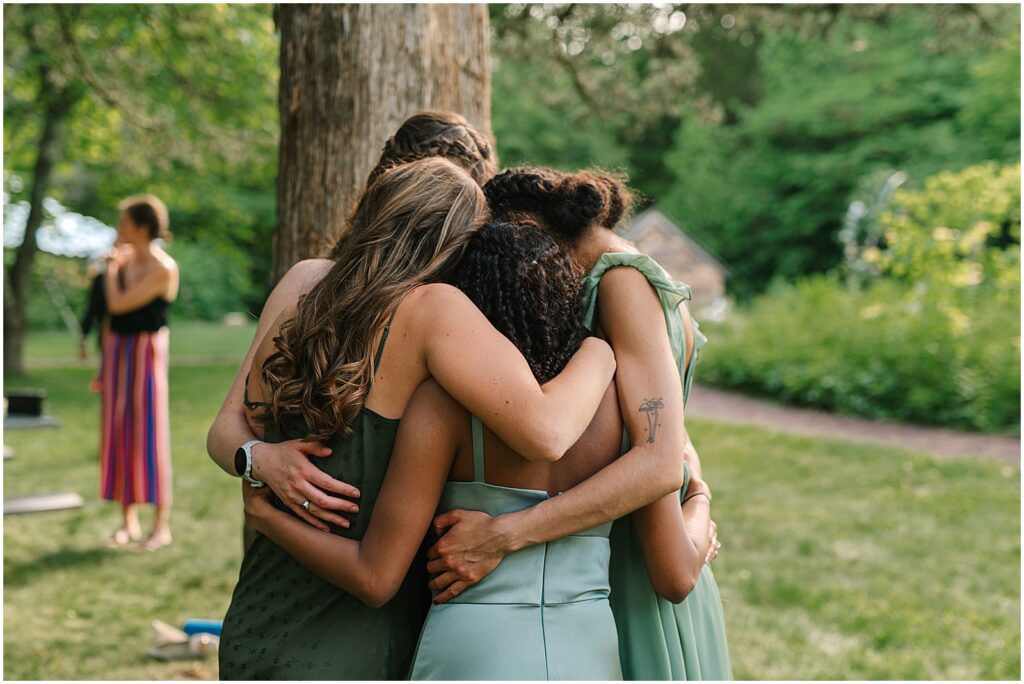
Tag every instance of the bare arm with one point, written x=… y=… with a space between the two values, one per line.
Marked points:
x=374 y=568
x=633 y=320
x=285 y=467
x=119 y=301
x=675 y=540
x=485 y=372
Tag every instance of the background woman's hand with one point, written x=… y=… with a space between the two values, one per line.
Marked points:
x=286 y=468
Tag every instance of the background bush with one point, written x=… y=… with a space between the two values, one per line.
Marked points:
x=934 y=337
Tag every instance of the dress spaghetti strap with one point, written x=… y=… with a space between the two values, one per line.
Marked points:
x=478 y=450
x=383 y=340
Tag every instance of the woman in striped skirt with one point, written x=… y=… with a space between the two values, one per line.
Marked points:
x=135 y=451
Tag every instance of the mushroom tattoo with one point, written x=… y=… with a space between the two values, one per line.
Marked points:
x=651 y=408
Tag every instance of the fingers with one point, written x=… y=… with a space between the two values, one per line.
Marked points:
x=433 y=553
x=325 y=481
x=325 y=501
x=322 y=513
x=446 y=520
x=435 y=566
x=312 y=520
x=443 y=581
x=451 y=592
x=318 y=449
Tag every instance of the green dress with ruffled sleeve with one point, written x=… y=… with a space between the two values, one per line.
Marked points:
x=658 y=639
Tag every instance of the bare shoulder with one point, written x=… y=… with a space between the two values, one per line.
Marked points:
x=626 y=284
x=303 y=275
x=437 y=302
x=164 y=264
x=437 y=293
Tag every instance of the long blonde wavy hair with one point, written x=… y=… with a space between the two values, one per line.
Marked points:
x=411 y=227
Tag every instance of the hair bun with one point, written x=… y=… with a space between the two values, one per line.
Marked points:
x=567 y=204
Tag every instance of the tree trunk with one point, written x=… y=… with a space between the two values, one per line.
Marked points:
x=350 y=74
x=18 y=279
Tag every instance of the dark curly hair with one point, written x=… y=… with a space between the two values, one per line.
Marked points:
x=564 y=204
x=529 y=290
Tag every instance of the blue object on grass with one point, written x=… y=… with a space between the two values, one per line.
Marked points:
x=199 y=626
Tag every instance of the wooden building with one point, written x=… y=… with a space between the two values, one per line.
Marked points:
x=681 y=255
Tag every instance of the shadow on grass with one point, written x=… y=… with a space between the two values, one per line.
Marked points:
x=20 y=574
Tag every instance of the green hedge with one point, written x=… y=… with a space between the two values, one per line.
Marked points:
x=888 y=352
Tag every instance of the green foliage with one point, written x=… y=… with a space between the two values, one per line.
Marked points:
x=935 y=338
x=891 y=352
x=769 y=192
x=180 y=102
x=212 y=282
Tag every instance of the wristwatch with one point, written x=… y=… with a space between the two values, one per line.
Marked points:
x=243 y=462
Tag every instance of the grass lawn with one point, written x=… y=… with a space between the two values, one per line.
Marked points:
x=839 y=561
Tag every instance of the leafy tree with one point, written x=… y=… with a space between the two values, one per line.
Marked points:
x=875 y=93
x=101 y=101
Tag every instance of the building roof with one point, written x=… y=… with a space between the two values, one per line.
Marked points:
x=653 y=219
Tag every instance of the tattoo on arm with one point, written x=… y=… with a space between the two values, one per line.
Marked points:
x=651 y=408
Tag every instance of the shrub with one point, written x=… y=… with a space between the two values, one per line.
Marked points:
x=934 y=339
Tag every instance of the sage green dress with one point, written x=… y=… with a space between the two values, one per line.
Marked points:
x=285 y=622
x=658 y=639
x=543 y=613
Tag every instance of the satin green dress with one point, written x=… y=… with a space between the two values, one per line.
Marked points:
x=658 y=639
x=285 y=622
x=543 y=613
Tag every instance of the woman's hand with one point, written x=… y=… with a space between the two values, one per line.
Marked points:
x=471 y=546
x=257 y=505
x=715 y=544
x=286 y=469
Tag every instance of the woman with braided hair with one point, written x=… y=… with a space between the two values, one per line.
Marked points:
x=632 y=302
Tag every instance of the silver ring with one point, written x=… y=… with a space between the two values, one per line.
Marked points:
x=305 y=504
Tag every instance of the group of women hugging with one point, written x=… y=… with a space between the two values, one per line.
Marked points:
x=469 y=422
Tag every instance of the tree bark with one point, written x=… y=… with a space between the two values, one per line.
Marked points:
x=350 y=74
x=56 y=106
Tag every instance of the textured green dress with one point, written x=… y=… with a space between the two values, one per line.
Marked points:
x=543 y=613
x=285 y=622
x=658 y=639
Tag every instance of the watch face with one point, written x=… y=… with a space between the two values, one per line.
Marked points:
x=240 y=461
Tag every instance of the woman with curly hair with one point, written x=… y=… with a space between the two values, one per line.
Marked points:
x=341 y=365
x=286 y=467
x=632 y=302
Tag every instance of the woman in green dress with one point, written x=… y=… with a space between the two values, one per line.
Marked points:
x=324 y=370
x=640 y=309
x=544 y=613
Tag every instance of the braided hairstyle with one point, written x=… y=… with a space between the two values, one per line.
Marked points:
x=438 y=134
x=529 y=290
x=428 y=134
x=564 y=204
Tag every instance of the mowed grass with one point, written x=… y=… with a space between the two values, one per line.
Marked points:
x=192 y=342
x=839 y=561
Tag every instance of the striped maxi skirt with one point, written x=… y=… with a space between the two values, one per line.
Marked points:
x=135 y=443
